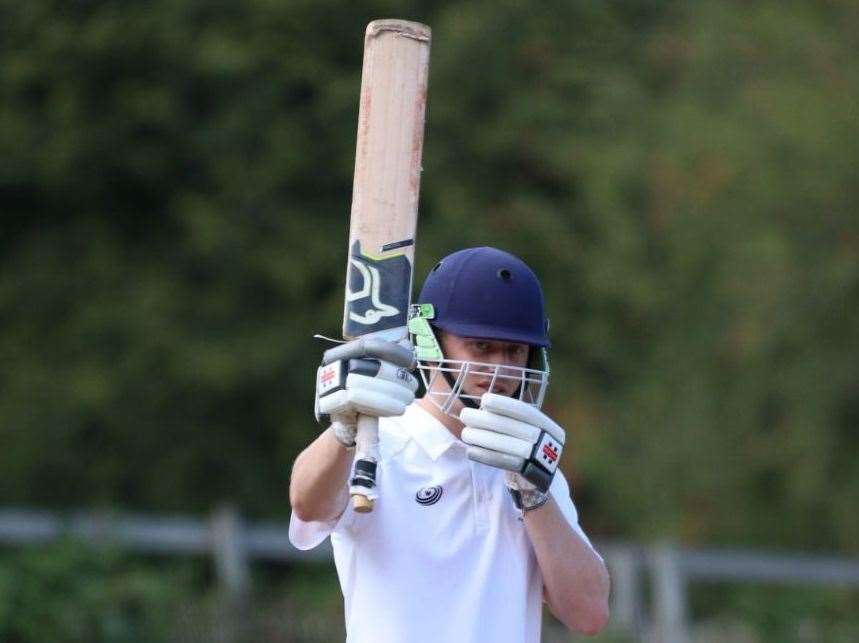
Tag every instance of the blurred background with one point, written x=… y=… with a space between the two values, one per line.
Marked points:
x=175 y=182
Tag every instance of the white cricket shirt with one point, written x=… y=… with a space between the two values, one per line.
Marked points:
x=444 y=556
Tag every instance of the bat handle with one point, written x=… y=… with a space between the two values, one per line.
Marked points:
x=362 y=487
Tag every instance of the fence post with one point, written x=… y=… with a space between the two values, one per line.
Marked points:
x=669 y=595
x=233 y=573
x=624 y=562
x=228 y=549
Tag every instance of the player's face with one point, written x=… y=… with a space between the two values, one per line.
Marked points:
x=487 y=351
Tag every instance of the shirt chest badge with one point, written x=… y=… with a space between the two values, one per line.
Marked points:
x=429 y=495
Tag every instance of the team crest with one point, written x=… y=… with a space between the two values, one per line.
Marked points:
x=429 y=495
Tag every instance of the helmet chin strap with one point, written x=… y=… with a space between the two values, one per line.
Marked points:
x=465 y=401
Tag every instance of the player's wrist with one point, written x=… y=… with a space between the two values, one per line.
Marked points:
x=344 y=434
x=527 y=499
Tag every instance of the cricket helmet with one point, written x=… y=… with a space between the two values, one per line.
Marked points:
x=489 y=294
x=481 y=293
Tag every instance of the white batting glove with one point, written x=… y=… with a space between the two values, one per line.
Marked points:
x=370 y=377
x=515 y=436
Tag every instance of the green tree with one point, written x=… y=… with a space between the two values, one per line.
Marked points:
x=70 y=593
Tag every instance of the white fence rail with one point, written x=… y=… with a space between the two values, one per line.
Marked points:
x=233 y=544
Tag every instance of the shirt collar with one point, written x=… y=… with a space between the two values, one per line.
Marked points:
x=430 y=434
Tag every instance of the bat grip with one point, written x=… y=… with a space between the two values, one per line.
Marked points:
x=363 y=484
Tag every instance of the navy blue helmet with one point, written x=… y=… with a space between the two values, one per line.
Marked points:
x=480 y=293
x=487 y=293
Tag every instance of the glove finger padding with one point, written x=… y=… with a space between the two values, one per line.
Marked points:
x=398 y=375
x=384 y=351
x=522 y=411
x=397 y=389
x=484 y=419
x=377 y=397
x=495 y=459
x=367 y=395
x=498 y=442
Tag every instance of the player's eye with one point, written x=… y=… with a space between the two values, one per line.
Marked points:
x=481 y=347
x=517 y=350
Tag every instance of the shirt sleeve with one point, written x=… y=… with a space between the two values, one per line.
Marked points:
x=307 y=535
x=560 y=491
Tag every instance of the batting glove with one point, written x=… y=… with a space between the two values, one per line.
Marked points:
x=366 y=376
x=515 y=436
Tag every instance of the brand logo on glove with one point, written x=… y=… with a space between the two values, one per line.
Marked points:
x=547 y=453
x=550 y=451
x=329 y=377
x=429 y=495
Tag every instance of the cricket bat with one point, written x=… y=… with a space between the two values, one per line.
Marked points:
x=384 y=206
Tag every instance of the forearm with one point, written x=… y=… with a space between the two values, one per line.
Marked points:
x=575 y=579
x=318 y=486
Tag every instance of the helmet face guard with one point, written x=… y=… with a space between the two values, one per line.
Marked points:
x=531 y=383
x=445 y=379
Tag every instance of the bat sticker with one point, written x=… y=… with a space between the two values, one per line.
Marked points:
x=405 y=243
x=376 y=299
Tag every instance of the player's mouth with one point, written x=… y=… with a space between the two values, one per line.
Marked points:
x=487 y=387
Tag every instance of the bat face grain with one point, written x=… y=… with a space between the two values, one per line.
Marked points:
x=386 y=184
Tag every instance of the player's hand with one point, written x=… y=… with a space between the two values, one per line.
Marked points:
x=519 y=438
x=366 y=376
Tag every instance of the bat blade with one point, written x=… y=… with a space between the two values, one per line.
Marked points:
x=386 y=184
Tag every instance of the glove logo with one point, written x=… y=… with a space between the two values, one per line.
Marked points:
x=429 y=495
x=550 y=452
x=329 y=377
